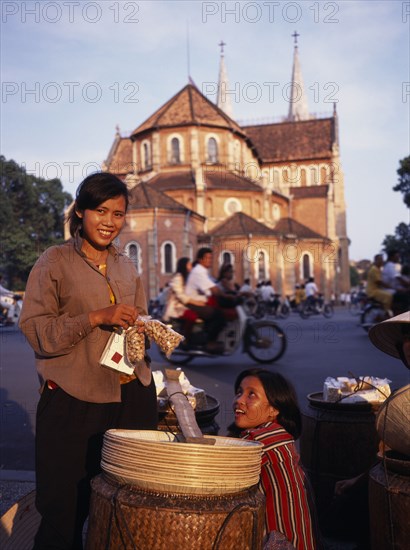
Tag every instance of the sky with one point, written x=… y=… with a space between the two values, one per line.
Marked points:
x=73 y=70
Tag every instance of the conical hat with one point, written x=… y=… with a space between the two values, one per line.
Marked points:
x=389 y=333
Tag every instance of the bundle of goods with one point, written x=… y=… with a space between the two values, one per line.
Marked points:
x=160 y=461
x=356 y=390
x=195 y=396
x=164 y=336
x=125 y=349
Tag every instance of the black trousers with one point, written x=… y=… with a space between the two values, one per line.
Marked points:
x=69 y=437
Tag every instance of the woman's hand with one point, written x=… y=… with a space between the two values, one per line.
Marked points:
x=121 y=315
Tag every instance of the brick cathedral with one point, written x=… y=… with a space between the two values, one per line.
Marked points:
x=268 y=198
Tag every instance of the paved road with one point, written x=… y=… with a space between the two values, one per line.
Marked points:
x=317 y=348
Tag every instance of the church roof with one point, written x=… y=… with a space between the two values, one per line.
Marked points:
x=120 y=156
x=223 y=179
x=241 y=224
x=143 y=196
x=291 y=141
x=215 y=178
x=289 y=226
x=173 y=180
x=188 y=107
x=309 y=192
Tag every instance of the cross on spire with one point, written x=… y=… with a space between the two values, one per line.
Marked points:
x=222 y=44
x=295 y=37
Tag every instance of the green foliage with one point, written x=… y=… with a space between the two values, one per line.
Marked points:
x=31 y=219
x=404 y=180
x=401 y=239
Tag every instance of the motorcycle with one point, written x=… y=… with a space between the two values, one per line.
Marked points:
x=274 y=308
x=264 y=341
x=317 y=307
x=372 y=314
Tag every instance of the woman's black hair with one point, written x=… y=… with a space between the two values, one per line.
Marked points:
x=182 y=267
x=281 y=394
x=93 y=191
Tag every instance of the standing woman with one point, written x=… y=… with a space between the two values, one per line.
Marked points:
x=76 y=294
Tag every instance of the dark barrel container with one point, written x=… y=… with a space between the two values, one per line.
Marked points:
x=389 y=503
x=338 y=441
x=129 y=517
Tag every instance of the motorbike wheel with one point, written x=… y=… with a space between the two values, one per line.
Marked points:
x=371 y=315
x=284 y=311
x=328 y=311
x=260 y=311
x=305 y=311
x=265 y=341
x=354 y=308
x=178 y=357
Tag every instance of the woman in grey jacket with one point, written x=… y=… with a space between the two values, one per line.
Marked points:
x=76 y=293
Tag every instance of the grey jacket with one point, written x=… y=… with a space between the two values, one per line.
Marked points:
x=63 y=287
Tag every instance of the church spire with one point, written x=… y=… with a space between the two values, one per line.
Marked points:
x=298 y=108
x=223 y=98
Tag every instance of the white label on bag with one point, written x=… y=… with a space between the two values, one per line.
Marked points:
x=114 y=356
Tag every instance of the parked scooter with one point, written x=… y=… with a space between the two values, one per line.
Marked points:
x=264 y=341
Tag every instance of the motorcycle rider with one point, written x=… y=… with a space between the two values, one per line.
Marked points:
x=312 y=292
x=200 y=284
x=377 y=288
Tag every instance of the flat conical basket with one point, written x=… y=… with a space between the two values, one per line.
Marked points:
x=157 y=461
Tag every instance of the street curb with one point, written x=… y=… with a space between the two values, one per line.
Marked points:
x=17 y=475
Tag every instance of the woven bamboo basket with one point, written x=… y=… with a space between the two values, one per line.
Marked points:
x=393 y=421
x=129 y=517
x=389 y=503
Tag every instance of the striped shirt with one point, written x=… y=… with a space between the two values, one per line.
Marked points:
x=283 y=482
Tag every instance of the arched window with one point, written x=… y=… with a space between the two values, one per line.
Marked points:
x=303 y=177
x=175 y=151
x=306 y=266
x=323 y=175
x=314 y=176
x=168 y=258
x=262 y=272
x=146 y=155
x=209 y=208
x=237 y=154
x=226 y=257
x=133 y=251
x=276 y=212
x=212 y=150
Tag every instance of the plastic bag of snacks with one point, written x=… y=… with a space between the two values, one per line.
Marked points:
x=134 y=344
x=164 y=336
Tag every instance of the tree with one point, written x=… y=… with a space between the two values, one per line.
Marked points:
x=401 y=239
x=31 y=219
x=404 y=180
